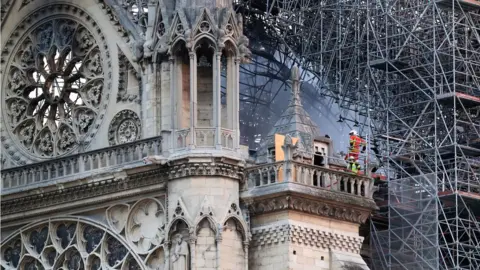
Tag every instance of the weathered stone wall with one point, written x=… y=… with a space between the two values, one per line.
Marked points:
x=184 y=111
x=308 y=258
x=233 y=255
x=165 y=96
x=273 y=256
x=206 y=247
x=221 y=192
x=294 y=240
x=205 y=97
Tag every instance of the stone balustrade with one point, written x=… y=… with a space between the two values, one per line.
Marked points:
x=79 y=165
x=316 y=176
x=204 y=138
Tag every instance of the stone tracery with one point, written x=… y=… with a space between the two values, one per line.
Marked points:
x=66 y=244
x=124 y=128
x=54 y=87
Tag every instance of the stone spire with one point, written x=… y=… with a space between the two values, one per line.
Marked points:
x=295 y=120
x=295 y=86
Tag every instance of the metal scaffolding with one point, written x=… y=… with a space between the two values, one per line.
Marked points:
x=426 y=59
x=407 y=72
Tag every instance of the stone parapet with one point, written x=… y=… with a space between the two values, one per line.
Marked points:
x=82 y=165
x=309 y=175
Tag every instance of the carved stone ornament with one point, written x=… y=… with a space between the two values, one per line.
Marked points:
x=137 y=12
x=67 y=243
x=55 y=88
x=146 y=225
x=124 y=128
x=309 y=206
x=125 y=66
x=301 y=235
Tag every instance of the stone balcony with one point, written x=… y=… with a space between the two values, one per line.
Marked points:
x=78 y=166
x=292 y=185
x=115 y=158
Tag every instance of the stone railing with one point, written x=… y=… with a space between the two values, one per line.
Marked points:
x=228 y=138
x=79 y=165
x=316 y=176
x=205 y=137
x=181 y=139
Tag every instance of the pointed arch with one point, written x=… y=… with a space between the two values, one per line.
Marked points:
x=229 y=45
x=203 y=39
x=234 y=239
x=241 y=226
x=211 y=222
x=234 y=213
x=70 y=256
x=178 y=225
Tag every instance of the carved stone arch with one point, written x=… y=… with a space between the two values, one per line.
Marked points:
x=209 y=39
x=175 y=228
x=235 y=213
x=229 y=45
x=212 y=224
x=28 y=260
x=177 y=45
x=70 y=256
x=240 y=223
x=109 y=239
x=205 y=48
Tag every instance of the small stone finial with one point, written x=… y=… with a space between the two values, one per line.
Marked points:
x=295 y=85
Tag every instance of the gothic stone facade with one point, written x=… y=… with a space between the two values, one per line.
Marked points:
x=120 y=148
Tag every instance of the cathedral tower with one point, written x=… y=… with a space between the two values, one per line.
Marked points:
x=120 y=147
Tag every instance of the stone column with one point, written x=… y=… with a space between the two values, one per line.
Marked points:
x=245 y=251
x=217 y=102
x=236 y=108
x=173 y=104
x=218 y=241
x=167 y=254
x=192 y=240
x=193 y=98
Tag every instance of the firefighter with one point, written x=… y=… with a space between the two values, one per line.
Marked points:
x=355 y=143
x=351 y=162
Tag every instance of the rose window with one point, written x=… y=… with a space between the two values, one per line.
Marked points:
x=54 y=87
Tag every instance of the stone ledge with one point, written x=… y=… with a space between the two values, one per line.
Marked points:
x=298 y=197
x=78 y=190
x=114 y=181
x=315 y=193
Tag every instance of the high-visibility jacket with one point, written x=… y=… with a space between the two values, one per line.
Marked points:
x=355 y=167
x=356 y=142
